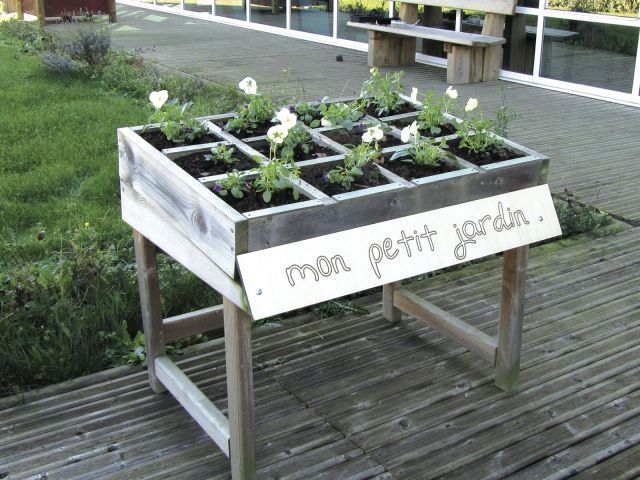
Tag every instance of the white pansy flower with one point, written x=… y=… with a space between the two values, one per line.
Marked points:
x=286 y=118
x=409 y=130
x=158 y=99
x=277 y=134
x=405 y=134
x=451 y=92
x=283 y=115
x=325 y=122
x=414 y=94
x=471 y=105
x=372 y=133
x=373 y=70
x=248 y=85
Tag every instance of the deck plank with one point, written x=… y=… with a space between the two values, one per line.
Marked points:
x=357 y=397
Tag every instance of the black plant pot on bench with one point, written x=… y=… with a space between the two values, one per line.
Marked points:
x=375 y=19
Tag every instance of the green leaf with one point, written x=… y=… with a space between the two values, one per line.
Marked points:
x=397 y=155
x=236 y=192
x=296 y=194
x=348 y=124
x=266 y=196
x=315 y=124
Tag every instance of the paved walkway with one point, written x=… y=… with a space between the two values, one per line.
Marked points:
x=593 y=144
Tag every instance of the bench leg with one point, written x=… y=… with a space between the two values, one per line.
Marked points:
x=390 y=50
x=149 y=286
x=514 y=280
x=464 y=64
x=237 y=344
x=491 y=63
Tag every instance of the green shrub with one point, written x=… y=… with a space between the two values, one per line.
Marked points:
x=77 y=311
x=31 y=37
x=617 y=7
x=576 y=218
x=128 y=74
x=83 y=50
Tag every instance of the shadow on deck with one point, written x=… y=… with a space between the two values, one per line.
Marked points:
x=354 y=397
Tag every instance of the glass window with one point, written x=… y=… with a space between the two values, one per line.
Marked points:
x=607 y=7
x=312 y=16
x=269 y=12
x=436 y=17
x=519 y=51
x=231 y=9
x=588 y=53
x=350 y=9
x=198 y=5
x=170 y=3
x=472 y=21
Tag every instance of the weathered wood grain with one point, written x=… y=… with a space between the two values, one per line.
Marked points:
x=151 y=306
x=464 y=334
x=201 y=409
x=167 y=237
x=514 y=281
x=193 y=323
x=506 y=7
x=389 y=310
x=356 y=212
x=430 y=33
x=237 y=340
x=154 y=183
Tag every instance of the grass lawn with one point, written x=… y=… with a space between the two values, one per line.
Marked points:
x=68 y=294
x=58 y=155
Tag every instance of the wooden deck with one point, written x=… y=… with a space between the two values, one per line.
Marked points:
x=353 y=397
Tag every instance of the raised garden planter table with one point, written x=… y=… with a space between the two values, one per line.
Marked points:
x=170 y=210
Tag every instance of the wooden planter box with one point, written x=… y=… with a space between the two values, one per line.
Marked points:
x=171 y=210
x=188 y=221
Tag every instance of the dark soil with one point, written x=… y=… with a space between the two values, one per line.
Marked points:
x=403 y=108
x=159 y=141
x=445 y=129
x=317 y=151
x=494 y=155
x=316 y=176
x=411 y=171
x=354 y=137
x=261 y=129
x=198 y=166
x=253 y=200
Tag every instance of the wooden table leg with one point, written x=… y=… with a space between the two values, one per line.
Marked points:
x=389 y=311
x=39 y=6
x=113 y=17
x=149 y=286
x=514 y=279
x=237 y=341
x=19 y=10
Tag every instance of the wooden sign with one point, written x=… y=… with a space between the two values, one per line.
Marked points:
x=298 y=274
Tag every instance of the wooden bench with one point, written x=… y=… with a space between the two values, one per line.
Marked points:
x=470 y=57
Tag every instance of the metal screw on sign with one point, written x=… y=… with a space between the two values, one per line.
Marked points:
x=258 y=292
x=540 y=218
